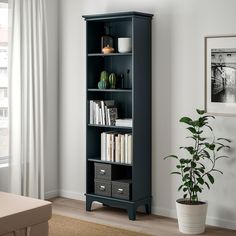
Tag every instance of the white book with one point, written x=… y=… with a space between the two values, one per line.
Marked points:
x=126 y=148
x=130 y=149
x=108 y=147
x=117 y=148
x=122 y=148
x=91 y=112
x=103 y=146
x=103 y=112
x=112 y=147
x=100 y=116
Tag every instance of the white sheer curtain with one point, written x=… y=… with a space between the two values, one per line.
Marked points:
x=27 y=73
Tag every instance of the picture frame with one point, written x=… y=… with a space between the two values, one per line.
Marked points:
x=220 y=75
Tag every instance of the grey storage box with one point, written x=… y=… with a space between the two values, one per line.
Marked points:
x=103 y=187
x=121 y=189
x=109 y=172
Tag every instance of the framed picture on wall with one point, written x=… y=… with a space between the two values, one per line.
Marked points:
x=220 y=74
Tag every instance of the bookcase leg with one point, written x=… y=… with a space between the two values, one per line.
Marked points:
x=88 y=204
x=132 y=213
x=148 y=208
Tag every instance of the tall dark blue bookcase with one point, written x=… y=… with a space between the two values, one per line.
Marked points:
x=133 y=102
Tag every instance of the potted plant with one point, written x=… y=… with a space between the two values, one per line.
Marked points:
x=196 y=170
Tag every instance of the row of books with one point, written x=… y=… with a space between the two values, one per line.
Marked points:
x=117 y=147
x=103 y=112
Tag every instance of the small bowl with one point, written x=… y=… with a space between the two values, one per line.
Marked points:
x=107 y=50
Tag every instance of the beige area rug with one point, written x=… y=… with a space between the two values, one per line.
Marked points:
x=65 y=226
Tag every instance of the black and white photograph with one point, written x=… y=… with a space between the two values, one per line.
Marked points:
x=220 y=74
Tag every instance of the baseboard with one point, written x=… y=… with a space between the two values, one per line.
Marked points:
x=228 y=224
x=209 y=221
x=72 y=195
x=155 y=210
x=51 y=194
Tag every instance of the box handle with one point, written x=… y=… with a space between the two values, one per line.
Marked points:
x=102 y=172
x=120 y=190
x=102 y=188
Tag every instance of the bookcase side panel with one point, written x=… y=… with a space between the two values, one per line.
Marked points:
x=141 y=108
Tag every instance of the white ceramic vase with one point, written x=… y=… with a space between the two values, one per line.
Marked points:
x=124 y=45
x=191 y=218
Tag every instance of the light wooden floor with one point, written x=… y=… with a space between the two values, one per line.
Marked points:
x=149 y=224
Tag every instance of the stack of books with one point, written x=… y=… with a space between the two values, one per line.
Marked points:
x=124 y=122
x=117 y=147
x=103 y=112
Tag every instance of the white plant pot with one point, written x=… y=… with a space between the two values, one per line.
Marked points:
x=191 y=218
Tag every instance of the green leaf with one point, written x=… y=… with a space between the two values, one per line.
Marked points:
x=192 y=130
x=197 y=173
x=190 y=149
x=186 y=120
x=225 y=139
x=210 y=177
x=217 y=171
x=219 y=148
x=206 y=154
x=201 y=139
x=197 y=189
x=193 y=164
x=180 y=187
x=200 y=112
x=186 y=169
x=200 y=180
x=185 y=189
x=209 y=127
x=175 y=173
x=207 y=185
x=206 y=117
x=185 y=195
x=219 y=157
x=172 y=156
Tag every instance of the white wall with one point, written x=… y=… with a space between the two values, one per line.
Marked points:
x=179 y=28
x=51 y=158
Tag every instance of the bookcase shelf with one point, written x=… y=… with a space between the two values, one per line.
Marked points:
x=110 y=126
x=108 y=55
x=110 y=90
x=133 y=101
x=109 y=162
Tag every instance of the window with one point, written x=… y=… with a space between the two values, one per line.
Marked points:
x=4 y=114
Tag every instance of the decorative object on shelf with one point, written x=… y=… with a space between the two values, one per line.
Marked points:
x=220 y=76
x=104 y=80
x=112 y=80
x=121 y=81
x=124 y=45
x=108 y=49
x=128 y=82
x=106 y=40
x=195 y=173
x=102 y=84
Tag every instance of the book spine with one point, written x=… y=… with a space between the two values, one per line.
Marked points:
x=112 y=147
x=122 y=149
x=91 y=112
x=108 y=147
x=126 y=148
x=103 y=146
x=130 y=150
x=116 y=149
x=103 y=113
